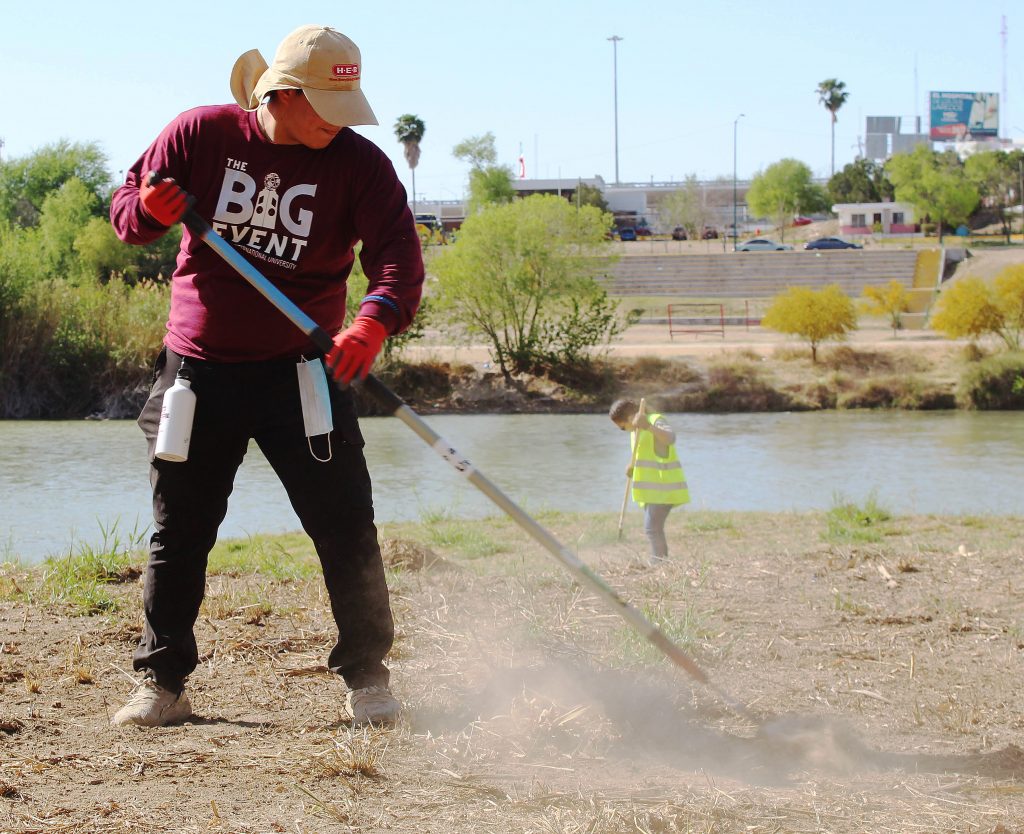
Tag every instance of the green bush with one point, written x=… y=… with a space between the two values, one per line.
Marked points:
x=523 y=278
x=72 y=350
x=994 y=383
x=568 y=340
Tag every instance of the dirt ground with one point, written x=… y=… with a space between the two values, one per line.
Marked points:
x=879 y=659
x=647 y=339
x=864 y=677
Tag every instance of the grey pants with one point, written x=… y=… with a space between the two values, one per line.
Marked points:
x=655 y=516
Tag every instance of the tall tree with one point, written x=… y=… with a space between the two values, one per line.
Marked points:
x=409 y=130
x=688 y=207
x=861 y=181
x=26 y=181
x=489 y=183
x=590 y=195
x=783 y=190
x=478 y=151
x=65 y=213
x=518 y=271
x=832 y=95
x=997 y=175
x=934 y=184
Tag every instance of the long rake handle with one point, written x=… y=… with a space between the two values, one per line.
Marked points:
x=394 y=405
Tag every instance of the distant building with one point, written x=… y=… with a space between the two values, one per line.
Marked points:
x=885 y=136
x=565 y=187
x=862 y=218
x=888 y=135
x=631 y=204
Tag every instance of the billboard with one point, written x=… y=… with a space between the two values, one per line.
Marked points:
x=964 y=115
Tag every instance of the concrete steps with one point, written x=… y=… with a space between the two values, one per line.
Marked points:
x=757 y=274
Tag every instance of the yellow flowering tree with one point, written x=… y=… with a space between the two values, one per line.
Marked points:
x=891 y=301
x=1009 y=297
x=815 y=316
x=968 y=309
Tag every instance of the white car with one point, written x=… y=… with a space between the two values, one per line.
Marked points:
x=762 y=244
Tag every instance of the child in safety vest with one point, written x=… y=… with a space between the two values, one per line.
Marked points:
x=659 y=483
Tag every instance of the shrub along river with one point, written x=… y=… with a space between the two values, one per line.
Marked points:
x=62 y=484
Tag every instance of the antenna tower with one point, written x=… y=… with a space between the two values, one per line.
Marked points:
x=1002 y=104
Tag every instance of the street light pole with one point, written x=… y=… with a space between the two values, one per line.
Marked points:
x=735 y=231
x=1020 y=173
x=615 y=88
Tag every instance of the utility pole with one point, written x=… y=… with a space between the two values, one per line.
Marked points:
x=615 y=91
x=735 y=230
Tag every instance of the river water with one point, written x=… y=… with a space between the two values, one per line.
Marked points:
x=62 y=484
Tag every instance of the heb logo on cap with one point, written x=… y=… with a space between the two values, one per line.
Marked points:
x=345 y=71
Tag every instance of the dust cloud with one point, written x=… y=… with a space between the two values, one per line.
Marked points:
x=622 y=716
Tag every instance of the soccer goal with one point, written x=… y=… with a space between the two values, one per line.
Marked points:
x=697 y=319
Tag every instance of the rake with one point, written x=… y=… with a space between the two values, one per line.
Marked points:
x=392 y=404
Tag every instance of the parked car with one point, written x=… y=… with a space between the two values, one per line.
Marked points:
x=762 y=244
x=710 y=233
x=802 y=221
x=831 y=243
x=679 y=233
x=643 y=231
x=627 y=233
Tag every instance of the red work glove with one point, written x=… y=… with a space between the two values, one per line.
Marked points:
x=165 y=202
x=355 y=348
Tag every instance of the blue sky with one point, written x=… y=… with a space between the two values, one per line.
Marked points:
x=538 y=75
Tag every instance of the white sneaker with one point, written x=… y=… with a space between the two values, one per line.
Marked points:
x=150 y=705
x=373 y=705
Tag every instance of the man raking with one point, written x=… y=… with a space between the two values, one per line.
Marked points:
x=284 y=178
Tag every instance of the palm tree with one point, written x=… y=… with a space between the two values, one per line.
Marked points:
x=832 y=94
x=409 y=131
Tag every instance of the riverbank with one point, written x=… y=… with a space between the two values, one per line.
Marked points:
x=743 y=371
x=104 y=370
x=530 y=707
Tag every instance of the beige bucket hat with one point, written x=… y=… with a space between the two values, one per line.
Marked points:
x=318 y=60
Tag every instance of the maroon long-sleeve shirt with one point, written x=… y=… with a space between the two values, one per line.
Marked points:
x=295 y=213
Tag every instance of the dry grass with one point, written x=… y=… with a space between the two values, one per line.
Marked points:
x=755 y=371
x=894 y=660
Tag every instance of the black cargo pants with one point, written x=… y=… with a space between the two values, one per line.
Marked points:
x=333 y=500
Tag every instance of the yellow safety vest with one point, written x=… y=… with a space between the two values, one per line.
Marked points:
x=657 y=480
